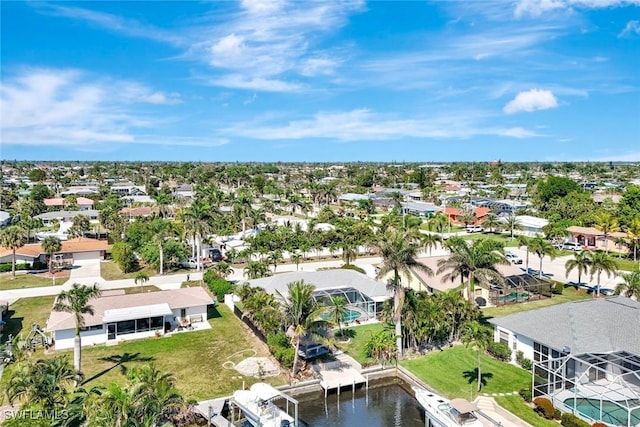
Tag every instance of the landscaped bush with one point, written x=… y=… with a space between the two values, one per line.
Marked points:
x=558 y=288
x=598 y=424
x=123 y=255
x=525 y=363
x=353 y=267
x=4 y=267
x=499 y=351
x=570 y=420
x=544 y=407
x=218 y=286
x=281 y=348
x=525 y=393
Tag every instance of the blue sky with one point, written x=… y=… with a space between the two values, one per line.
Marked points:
x=302 y=81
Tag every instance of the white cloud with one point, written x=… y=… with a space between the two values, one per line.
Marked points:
x=539 y=7
x=366 y=125
x=61 y=107
x=632 y=28
x=532 y=100
x=239 y=81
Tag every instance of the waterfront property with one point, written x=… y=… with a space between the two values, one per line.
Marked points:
x=364 y=295
x=589 y=326
x=118 y=316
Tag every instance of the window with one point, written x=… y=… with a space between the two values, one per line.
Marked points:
x=504 y=337
x=92 y=328
x=157 y=323
x=142 y=325
x=126 y=327
x=183 y=313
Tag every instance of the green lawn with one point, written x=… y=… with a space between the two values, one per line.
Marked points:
x=627 y=264
x=109 y=270
x=195 y=358
x=517 y=406
x=569 y=294
x=453 y=372
x=139 y=289
x=22 y=281
x=356 y=347
x=26 y=311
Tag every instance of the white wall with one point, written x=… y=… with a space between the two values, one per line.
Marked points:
x=192 y=311
x=522 y=343
x=64 y=338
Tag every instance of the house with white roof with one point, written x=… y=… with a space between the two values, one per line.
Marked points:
x=121 y=317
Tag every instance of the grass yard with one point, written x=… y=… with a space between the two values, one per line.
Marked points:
x=195 y=358
x=453 y=372
x=109 y=270
x=517 y=406
x=26 y=311
x=569 y=294
x=22 y=281
x=627 y=264
x=356 y=347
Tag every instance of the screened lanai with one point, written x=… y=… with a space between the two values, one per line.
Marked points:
x=594 y=386
x=358 y=302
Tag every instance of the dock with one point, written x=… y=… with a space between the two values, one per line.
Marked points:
x=343 y=372
x=212 y=410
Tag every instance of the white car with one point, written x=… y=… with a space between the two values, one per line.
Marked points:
x=571 y=246
x=190 y=263
x=513 y=258
x=474 y=229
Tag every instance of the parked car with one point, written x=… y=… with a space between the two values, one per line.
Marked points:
x=190 y=263
x=513 y=258
x=474 y=229
x=571 y=246
x=215 y=254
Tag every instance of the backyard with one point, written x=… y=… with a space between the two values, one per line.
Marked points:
x=568 y=294
x=195 y=358
x=356 y=347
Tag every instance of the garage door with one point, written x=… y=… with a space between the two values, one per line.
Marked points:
x=86 y=256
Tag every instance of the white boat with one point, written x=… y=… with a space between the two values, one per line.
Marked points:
x=258 y=407
x=443 y=412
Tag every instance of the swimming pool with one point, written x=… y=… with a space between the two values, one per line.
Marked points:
x=514 y=296
x=349 y=316
x=611 y=413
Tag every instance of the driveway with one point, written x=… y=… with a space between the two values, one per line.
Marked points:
x=85 y=271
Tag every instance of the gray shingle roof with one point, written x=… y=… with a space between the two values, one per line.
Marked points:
x=328 y=279
x=598 y=325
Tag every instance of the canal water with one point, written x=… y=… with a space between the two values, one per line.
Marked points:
x=384 y=404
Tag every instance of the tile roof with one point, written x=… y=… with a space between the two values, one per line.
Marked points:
x=81 y=244
x=60 y=201
x=597 y=325
x=175 y=298
x=592 y=231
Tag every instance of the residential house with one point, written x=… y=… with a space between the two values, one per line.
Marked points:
x=592 y=238
x=530 y=226
x=83 y=203
x=422 y=209
x=5 y=218
x=454 y=214
x=67 y=216
x=71 y=251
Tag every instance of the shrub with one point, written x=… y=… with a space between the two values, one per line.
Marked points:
x=499 y=351
x=525 y=393
x=281 y=349
x=4 y=267
x=523 y=361
x=558 y=288
x=598 y=424
x=544 y=407
x=219 y=287
x=353 y=267
x=570 y=420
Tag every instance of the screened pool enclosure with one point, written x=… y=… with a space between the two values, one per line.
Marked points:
x=594 y=386
x=361 y=307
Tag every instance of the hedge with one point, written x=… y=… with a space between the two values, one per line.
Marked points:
x=570 y=420
x=499 y=351
x=281 y=348
x=544 y=407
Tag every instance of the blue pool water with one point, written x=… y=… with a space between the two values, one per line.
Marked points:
x=350 y=316
x=611 y=413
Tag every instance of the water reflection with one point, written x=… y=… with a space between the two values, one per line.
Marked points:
x=385 y=404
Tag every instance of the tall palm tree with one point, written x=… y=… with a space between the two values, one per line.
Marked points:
x=601 y=262
x=633 y=235
x=478 y=337
x=430 y=241
x=222 y=269
x=242 y=208
x=439 y=223
x=76 y=302
x=541 y=247
x=296 y=258
x=45 y=382
x=630 y=288
x=51 y=245
x=476 y=262
x=492 y=223
x=198 y=219
x=399 y=256
x=523 y=240
x=12 y=238
x=607 y=223
x=512 y=223
x=302 y=315
x=274 y=258
x=581 y=261
x=162 y=231
x=349 y=252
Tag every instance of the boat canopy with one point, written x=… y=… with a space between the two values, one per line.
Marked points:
x=463 y=406
x=265 y=391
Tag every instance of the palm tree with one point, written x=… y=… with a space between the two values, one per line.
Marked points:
x=44 y=382
x=630 y=288
x=76 y=302
x=633 y=234
x=140 y=279
x=581 y=261
x=476 y=262
x=50 y=245
x=608 y=224
x=162 y=231
x=398 y=256
x=492 y=223
x=12 y=238
x=338 y=311
x=478 y=337
x=601 y=262
x=222 y=269
x=296 y=258
x=439 y=223
x=523 y=240
x=274 y=258
x=541 y=247
x=349 y=252
x=302 y=315
x=242 y=208
x=198 y=220
x=381 y=346
x=512 y=223
x=430 y=241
